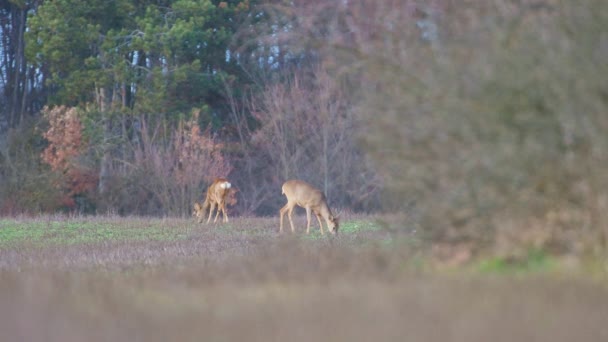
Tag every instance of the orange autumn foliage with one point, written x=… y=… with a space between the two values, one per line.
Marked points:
x=66 y=144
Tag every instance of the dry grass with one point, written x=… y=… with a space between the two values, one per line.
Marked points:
x=159 y=280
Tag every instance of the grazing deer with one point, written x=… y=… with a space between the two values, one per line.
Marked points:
x=216 y=195
x=310 y=198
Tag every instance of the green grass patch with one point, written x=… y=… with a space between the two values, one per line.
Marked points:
x=358 y=226
x=346 y=228
x=71 y=232
x=535 y=261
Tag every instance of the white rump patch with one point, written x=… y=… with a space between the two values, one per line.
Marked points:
x=225 y=185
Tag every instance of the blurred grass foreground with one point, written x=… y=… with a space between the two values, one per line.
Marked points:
x=135 y=279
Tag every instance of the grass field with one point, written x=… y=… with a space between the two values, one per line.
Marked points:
x=147 y=279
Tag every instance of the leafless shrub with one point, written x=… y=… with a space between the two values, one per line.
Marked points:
x=307 y=132
x=168 y=173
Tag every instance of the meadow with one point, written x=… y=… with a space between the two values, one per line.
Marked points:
x=169 y=279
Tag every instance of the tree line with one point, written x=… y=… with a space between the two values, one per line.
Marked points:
x=134 y=106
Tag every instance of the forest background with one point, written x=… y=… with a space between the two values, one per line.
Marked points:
x=481 y=119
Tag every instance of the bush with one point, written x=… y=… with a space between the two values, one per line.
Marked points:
x=25 y=183
x=480 y=112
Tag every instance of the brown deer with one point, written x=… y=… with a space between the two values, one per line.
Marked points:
x=216 y=196
x=310 y=198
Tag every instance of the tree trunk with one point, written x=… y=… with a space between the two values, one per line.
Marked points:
x=104 y=168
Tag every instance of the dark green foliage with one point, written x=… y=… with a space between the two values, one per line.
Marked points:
x=26 y=184
x=171 y=56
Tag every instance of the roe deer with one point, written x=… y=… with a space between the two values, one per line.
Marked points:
x=216 y=195
x=310 y=198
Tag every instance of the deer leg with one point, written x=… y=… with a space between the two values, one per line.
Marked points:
x=320 y=224
x=281 y=214
x=211 y=209
x=307 y=220
x=223 y=208
x=224 y=213
x=289 y=214
x=217 y=213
